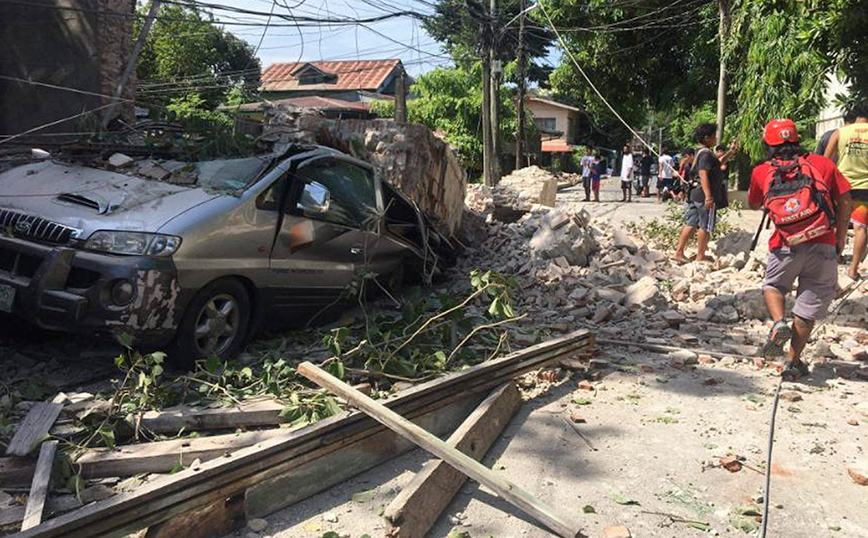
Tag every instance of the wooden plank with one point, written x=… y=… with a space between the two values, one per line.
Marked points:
x=34 y=428
x=16 y=472
x=335 y=467
x=217 y=519
x=246 y=414
x=163 y=456
x=11 y=518
x=168 y=496
x=508 y=491
x=417 y=507
x=39 y=487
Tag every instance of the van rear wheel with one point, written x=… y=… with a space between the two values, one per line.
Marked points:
x=215 y=324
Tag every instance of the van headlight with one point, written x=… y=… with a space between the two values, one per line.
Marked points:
x=133 y=243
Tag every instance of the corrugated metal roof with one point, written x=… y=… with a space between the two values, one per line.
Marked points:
x=351 y=75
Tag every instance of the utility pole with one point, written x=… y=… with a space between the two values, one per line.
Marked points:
x=131 y=63
x=400 y=96
x=496 y=71
x=522 y=73
x=487 y=145
x=723 y=7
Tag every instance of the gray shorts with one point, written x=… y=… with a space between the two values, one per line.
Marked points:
x=816 y=267
x=697 y=216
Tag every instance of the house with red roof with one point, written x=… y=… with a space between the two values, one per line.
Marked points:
x=344 y=80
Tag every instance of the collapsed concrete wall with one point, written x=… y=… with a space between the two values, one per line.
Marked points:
x=408 y=156
x=82 y=44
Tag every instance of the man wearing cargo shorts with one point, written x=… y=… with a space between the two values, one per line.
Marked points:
x=812 y=262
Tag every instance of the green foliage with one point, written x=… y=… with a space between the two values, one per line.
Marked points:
x=186 y=52
x=635 y=71
x=663 y=233
x=776 y=72
x=193 y=108
x=683 y=123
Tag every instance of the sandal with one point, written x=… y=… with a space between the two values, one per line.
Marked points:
x=794 y=370
x=778 y=337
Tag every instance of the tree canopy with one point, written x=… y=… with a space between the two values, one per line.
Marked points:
x=187 y=54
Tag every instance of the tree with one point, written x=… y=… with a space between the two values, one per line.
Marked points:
x=654 y=55
x=186 y=53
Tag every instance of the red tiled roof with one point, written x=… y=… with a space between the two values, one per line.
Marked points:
x=314 y=101
x=351 y=75
x=555 y=146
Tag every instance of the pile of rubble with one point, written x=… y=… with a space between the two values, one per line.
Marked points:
x=576 y=271
x=516 y=193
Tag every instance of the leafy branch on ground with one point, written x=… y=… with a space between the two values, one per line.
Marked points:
x=663 y=232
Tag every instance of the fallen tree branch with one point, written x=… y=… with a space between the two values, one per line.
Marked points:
x=482 y=328
x=668 y=349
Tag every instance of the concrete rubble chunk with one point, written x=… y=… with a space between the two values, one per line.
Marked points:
x=119 y=160
x=610 y=294
x=526 y=187
x=642 y=293
x=154 y=171
x=620 y=239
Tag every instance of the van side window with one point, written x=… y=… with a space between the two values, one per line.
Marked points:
x=352 y=198
x=269 y=199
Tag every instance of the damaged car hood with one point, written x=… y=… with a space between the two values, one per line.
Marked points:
x=90 y=199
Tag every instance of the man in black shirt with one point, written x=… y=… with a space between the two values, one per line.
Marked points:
x=645 y=170
x=706 y=192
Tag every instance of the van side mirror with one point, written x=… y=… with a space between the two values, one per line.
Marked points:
x=315 y=198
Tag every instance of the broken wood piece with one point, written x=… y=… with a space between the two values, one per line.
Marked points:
x=418 y=506
x=508 y=491
x=34 y=428
x=39 y=486
x=166 y=496
x=666 y=349
x=245 y=414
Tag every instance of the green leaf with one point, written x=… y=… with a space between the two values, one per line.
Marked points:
x=108 y=436
x=581 y=401
x=364 y=496
x=125 y=340
x=212 y=364
x=119 y=361
x=246 y=372
x=699 y=525
x=588 y=509
x=177 y=468
x=620 y=499
x=331 y=534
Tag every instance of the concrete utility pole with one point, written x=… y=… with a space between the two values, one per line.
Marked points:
x=487 y=146
x=724 y=9
x=400 y=96
x=522 y=73
x=131 y=63
x=496 y=71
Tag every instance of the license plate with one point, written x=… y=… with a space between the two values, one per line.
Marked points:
x=7 y=297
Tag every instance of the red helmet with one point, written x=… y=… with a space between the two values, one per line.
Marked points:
x=779 y=131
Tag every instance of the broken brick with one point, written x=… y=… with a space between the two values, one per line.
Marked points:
x=791 y=396
x=645 y=368
x=585 y=385
x=706 y=359
x=860 y=476
x=852 y=422
x=759 y=362
x=731 y=464
x=577 y=418
x=616 y=531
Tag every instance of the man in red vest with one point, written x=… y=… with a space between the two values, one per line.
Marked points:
x=808 y=200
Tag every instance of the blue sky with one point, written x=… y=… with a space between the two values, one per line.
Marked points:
x=401 y=37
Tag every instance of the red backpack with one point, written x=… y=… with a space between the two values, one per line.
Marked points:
x=798 y=202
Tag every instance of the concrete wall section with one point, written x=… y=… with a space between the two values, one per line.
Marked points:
x=80 y=44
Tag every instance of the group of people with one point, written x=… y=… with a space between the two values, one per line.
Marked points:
x=811 y=198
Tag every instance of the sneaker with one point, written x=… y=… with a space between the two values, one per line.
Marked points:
x=778 y=338
x=794 y=370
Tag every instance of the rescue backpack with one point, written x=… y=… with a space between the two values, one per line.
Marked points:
x=798 y=202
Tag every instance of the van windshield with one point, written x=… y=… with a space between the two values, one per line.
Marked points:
x=232 y=174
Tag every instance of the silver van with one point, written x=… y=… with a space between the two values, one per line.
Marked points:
x=197 y=260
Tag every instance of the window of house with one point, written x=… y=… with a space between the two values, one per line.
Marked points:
x=547 y=124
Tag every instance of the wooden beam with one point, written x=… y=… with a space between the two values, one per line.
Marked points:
x=332 y=468
x=168 y=496
x=39 y=486
x=246 y=414
x=16 y=472
x=508 y=491
x=34 y=428
x=418 y=506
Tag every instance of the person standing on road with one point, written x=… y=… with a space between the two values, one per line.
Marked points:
x=627 y=175
x=824 y=139
x=850 y=144
x=802 y=194
x=645 y=170
x=664 y=174
x=705 y=194
x=596 y=173
x=587 y=169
